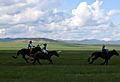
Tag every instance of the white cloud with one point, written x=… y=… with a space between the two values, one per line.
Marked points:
x=80 y=15
x=2 y=33
x=42 y=18
x=86 y=14
x=112 y=12
x=28 y=15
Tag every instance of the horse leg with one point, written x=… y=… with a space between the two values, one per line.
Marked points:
x=50 y=61
x=93 y=59
x=34 y=61
x=38 y=61
x=103 y=62
x=106 y=61
x=25 y=58
x=90 y=57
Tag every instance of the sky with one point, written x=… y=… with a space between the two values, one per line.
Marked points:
x=60 y=19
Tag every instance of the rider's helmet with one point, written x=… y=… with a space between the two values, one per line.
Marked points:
x=30 y=41
x=103 y=46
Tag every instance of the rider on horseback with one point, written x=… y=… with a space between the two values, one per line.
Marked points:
x=44 y=49
x=30 y=46
x=104 y=51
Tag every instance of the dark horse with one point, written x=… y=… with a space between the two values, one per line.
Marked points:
x=96 y=55
x=25 y=52
x=48 y=56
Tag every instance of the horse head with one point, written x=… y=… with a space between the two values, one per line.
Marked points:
x=115 y=52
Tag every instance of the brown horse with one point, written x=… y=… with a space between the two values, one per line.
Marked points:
x=26 y=52
x=37 y=56
x=96 y=55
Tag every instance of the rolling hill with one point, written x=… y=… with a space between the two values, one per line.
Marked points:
x=47 y=40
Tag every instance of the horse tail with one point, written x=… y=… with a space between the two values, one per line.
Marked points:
x=90 y=57
x=18 y=53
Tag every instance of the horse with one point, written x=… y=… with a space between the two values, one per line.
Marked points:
x=98 y=54
x=48 y=56
x=25 y=52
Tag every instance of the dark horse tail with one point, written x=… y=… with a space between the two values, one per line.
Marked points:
x=17 y=54
x=90 y=57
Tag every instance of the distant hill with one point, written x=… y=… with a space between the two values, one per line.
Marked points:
x=34 y=39
x=93 y=41
x=86 y=41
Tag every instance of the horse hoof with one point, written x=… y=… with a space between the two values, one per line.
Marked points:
x=102 y=64
x=50 y=63
x=33 y=63
x=14 y=57
x=106 y=64
x=90 y=63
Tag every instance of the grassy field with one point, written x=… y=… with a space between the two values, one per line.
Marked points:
x=71 y=66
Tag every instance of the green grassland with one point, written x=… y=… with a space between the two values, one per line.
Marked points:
x=71 y=66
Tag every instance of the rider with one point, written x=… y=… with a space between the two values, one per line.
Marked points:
x=104 y=51
x=30 y=46
x=44 y=49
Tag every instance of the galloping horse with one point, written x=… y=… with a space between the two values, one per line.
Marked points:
x=96 y=55
x=25 y=52
x=48 y=56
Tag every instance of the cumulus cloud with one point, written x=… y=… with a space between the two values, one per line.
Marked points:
x=86 y=14
x=42 y=18
x=26 y=11
x=2 y=32
x=91 y=21
x=28 y=15
x=112 y=12
x=79 y=17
